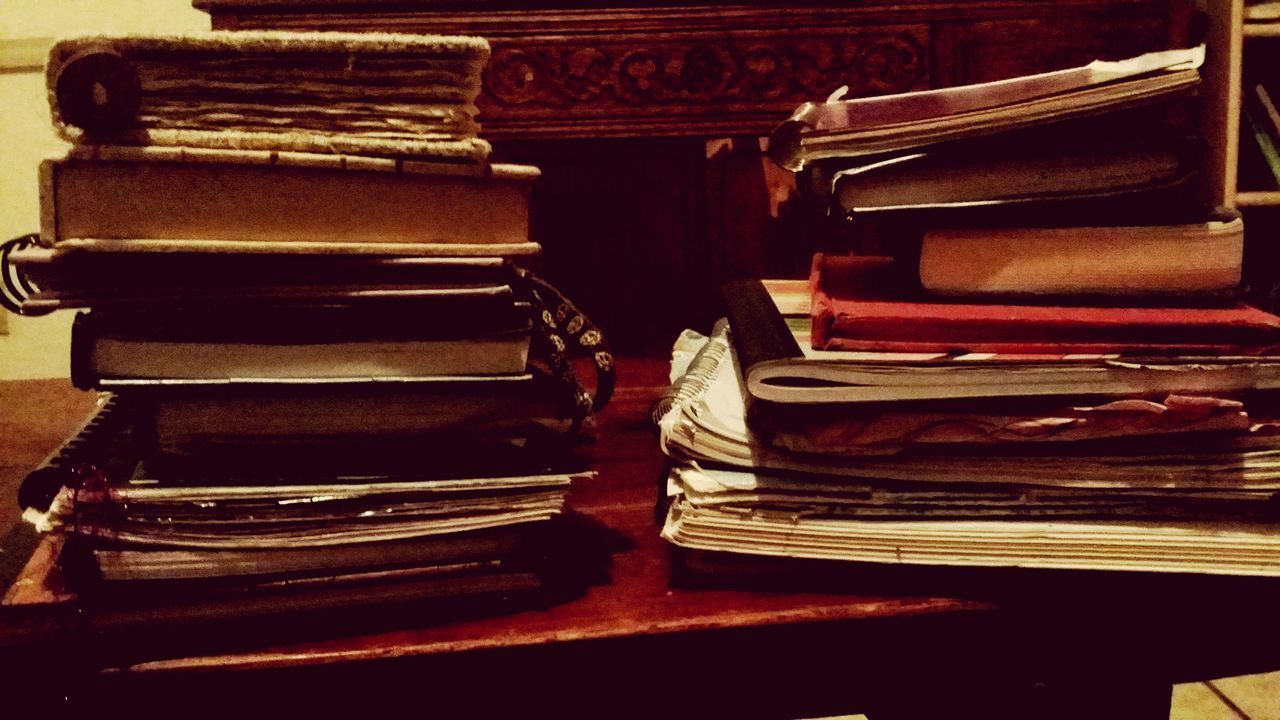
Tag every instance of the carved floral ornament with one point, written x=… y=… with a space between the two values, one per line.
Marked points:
x=787 y=70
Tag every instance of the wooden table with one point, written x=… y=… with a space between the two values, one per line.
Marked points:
x=903 y=643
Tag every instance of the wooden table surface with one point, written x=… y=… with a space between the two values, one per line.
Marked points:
x=947 y=626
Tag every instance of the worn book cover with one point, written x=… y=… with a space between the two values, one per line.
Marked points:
x=855 y=309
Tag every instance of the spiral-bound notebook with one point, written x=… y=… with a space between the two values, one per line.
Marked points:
x=1139 y=446
x=133 y=541
x=1150 y=505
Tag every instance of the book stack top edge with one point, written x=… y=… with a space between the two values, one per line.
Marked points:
x=269 y=41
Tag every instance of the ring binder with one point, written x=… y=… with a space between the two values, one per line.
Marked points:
x=697 y=375
x=14 y=286
x=78 y=456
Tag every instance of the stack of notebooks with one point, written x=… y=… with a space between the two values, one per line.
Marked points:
x=333 y=379
x=1066 y=395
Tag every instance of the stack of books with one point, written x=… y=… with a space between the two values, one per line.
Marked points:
x=333 y=379
x=1074 y=394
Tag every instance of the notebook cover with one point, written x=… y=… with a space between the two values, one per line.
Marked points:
x=1054 y=146
x=854 y=308
x=748 y=305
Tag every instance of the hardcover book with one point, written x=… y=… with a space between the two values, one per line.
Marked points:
x=1145 y=263
x=348 y=93
x=483 y=335
x=175 y=199
x=855 y=309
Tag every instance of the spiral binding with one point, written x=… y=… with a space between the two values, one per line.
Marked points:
x=76 y=459
x=697 y=376
x=14 y=286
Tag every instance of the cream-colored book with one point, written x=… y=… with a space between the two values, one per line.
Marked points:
x=157 y=199
x=1156 y=260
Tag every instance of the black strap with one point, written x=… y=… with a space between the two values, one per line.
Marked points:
x=14 y=287
x=562 y=334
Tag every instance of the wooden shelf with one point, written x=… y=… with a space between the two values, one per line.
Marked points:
x=1258 y=198
x=1261 y=29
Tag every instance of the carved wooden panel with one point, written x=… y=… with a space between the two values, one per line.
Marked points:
x=689 y=83
x=730 y=69
x=685 y=71
x=974 y=52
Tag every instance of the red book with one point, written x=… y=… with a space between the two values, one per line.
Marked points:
x=859 y=304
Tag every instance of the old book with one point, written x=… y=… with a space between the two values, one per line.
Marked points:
x=350 y=93
x=487 y=334
x=1142 y=262
x=777 y=368
x=176 y=199
x=867 y=126
x=854 y=309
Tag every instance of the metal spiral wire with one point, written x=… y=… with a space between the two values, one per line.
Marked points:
x=14 y=287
